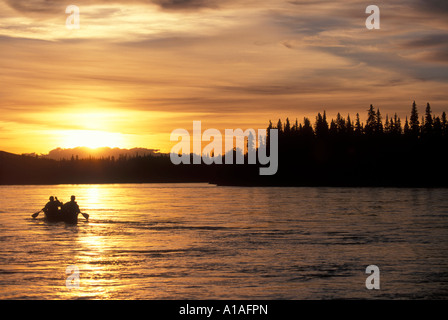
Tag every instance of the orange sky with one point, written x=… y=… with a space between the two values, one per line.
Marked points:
x=137 y=70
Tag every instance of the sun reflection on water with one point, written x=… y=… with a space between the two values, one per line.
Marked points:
x=92 y=246
x=171 y=241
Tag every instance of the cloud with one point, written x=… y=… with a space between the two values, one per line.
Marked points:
x=425 y=41
x=36 y=6
x=187 y=4
x=54 y=6
x=437 y=6
x=431 y=48
x=437 y=56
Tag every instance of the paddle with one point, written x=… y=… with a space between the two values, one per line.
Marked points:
x=85 y=215
x=34 y=215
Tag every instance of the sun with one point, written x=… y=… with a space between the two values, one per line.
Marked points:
x=91 y=139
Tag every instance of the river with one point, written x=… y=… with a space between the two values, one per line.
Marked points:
x=200 y=241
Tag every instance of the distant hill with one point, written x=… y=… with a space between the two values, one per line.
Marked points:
x=135 y=166
x=8 y=155
x=105 y=152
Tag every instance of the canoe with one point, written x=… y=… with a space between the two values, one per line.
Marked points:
x=62 y=217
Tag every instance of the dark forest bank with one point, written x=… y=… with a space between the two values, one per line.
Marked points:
x=339 y=152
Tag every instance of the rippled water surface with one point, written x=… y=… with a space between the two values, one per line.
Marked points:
x=198 y=241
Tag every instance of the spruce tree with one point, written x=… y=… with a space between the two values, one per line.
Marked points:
x=333 y=128
x=397 y=125
x=379 y=122
x=251 y=143
x=321 y=125
x=295 y=127
x=358 y=126
x=349 y=125
x=268 y=134
x=422 y=125
x=407 y=129
x=387 y=125
x=280 y=126
x=444 y=124
x=287 y=128
x=340 y=124
x=437 y=127
x=428 y=126
x=325 y=123
x=371 y=124
x=307 y=129
x=414 y=124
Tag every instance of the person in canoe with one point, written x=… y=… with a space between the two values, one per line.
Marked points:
x=70 y=211
x=51 y=209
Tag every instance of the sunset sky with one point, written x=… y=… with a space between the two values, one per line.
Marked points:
x=136 y=70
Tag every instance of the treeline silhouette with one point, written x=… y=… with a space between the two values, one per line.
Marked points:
x=105 y=152
x=22 y=169
x=383 y=151
x=345 y=152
